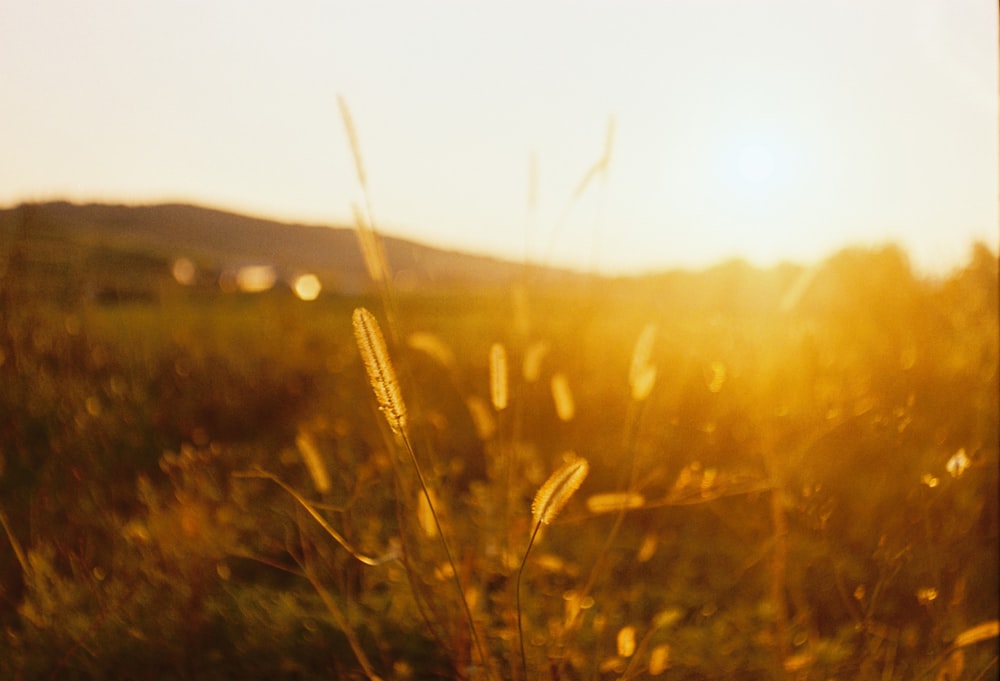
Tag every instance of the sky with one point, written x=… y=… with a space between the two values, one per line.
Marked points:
x=770 y=131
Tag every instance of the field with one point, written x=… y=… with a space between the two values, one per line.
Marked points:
x=790 y=474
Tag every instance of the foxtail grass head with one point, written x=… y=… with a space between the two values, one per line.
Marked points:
x=558 y=489
x=562 y=397
x=642 y=372
x=381 y=374
x=498 y=376
x=314 y=461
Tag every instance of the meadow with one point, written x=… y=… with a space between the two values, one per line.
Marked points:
x=789 y=474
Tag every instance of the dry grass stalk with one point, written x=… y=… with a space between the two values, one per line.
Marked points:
x=383 y=380
x=425 y=516
x=642 y=374
x=562 y=395
x=352 y=138
x=626 y=641
x=15 y=545
x=391 y=555
x=482 y=417
x=498 y=376
x=614 y=501
x=549 y=500
x=341 y=620
x=602 y=165
x=643 y=384
x=381 y=375
x=372 y=250
x=659 y=659
x=533 y=358
x=432 y=346
x=980 y=632
x=557 y=490
x=643 y=351
x=314 y=461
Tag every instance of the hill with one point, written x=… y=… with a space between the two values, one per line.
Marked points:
x=129 y=247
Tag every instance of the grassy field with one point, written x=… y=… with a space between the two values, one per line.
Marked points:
x=793 y=476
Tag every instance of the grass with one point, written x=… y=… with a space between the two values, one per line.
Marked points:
x=820 y=404
x=549 y=500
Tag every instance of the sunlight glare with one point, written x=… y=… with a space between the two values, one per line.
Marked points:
x=307 y=287
x=184 y=271
x=754 y=197
x=958 y=463
x=255 y=278
x=755 y=163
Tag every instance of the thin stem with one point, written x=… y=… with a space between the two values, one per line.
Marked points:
x=367 y=560
x=389 y=305
x=447 y=551
x=15 y=544
x=517 y=598
x=341 y=620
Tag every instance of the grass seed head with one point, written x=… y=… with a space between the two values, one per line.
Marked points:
x=533 y=357
x=626 y=641
x=641 y=373
x=498 y=376
x=557 y=490
x=659 y=659
x=381 y=375
x=981 y=632
x=313 y=460
x=610 y=502
x=643 y=383
x=562 y=395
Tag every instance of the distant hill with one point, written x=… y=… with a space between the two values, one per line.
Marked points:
x=63 y=251
x=59 y=239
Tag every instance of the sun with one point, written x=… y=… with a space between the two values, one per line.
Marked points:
x=750 y=167
x=755 y=163
x=750 y=192
x=754 y=209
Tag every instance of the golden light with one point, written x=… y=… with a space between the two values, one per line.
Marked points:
x=307 y=287
x=754 y=195
x=958 y=463
x=626 y=641
x=183 y=271
x=255 y=278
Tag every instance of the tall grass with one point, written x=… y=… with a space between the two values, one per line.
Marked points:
x=382 y=376
x=550 y=499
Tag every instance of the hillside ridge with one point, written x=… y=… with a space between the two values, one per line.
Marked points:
x=216 y=239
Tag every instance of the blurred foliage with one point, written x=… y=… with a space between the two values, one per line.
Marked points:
x=817 y=459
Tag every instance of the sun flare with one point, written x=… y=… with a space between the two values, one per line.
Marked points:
x=755 y=164
x=751 y=199
x=752 y=167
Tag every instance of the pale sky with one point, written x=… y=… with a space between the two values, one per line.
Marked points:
x=767 y=130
